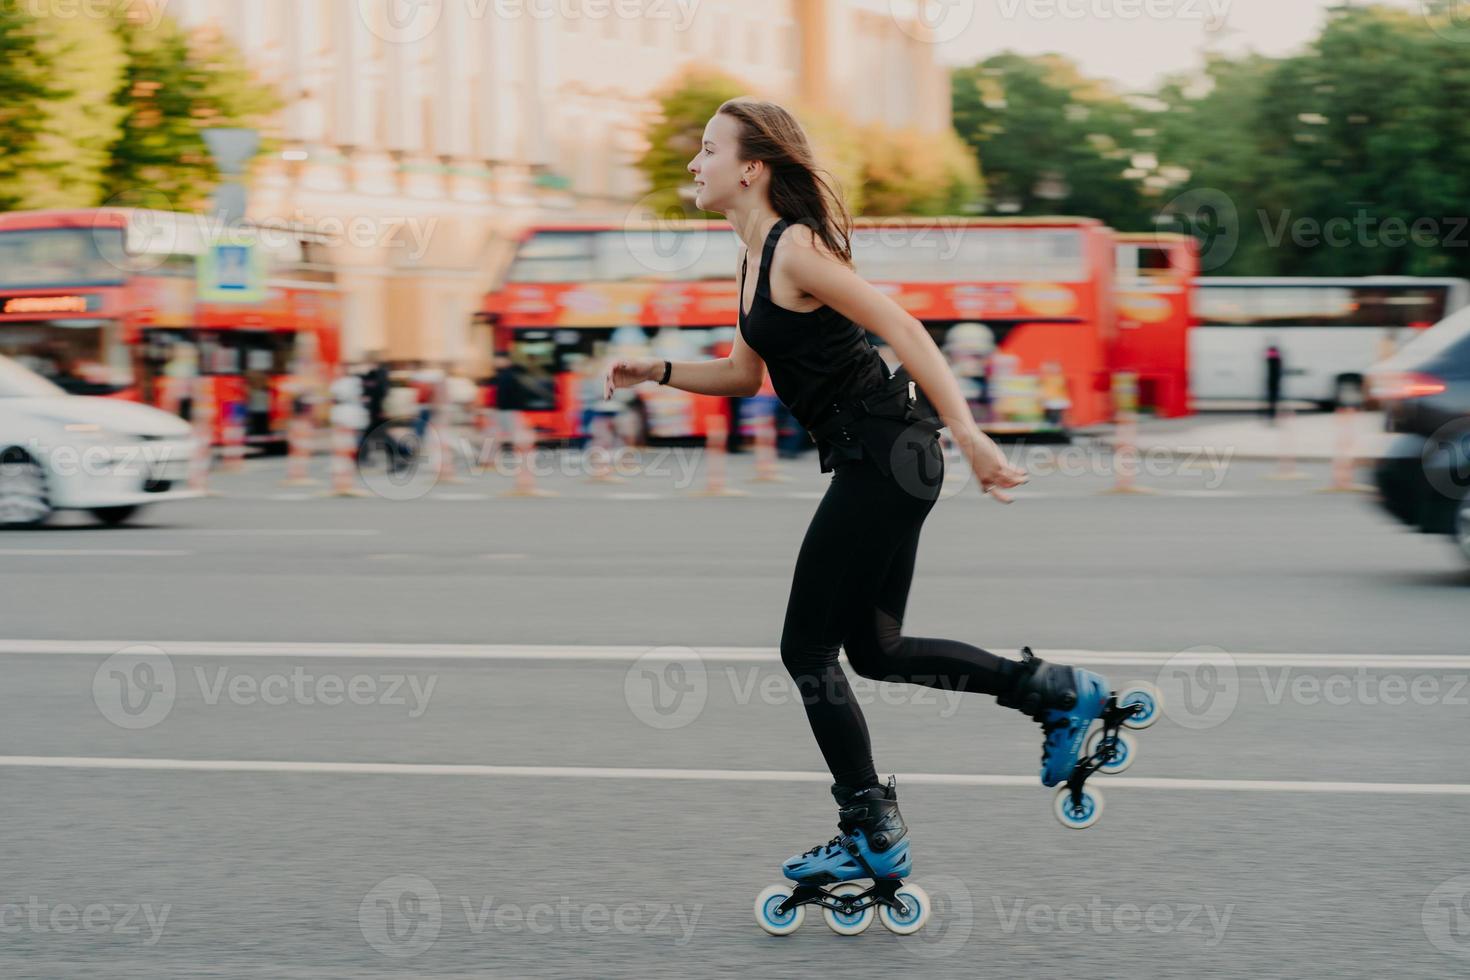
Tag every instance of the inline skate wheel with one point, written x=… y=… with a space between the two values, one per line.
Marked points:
x=1147 y=697
x=916 y=904
x=777 y=924
x=848 y=923
x=1078 y=817
x=1124 y=751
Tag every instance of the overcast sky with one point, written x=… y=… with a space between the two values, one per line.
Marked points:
x=1119 y=39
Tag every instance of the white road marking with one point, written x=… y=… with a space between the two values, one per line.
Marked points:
x=628 y=654
x=93 y=552
x=282 y=532
x=705 y=775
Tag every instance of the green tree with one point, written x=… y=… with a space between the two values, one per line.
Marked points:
x=177 y=85
x=1214 y=167
x=24 y=71
x=1050 y=140
x=57 y=92
x=1331 y=159
x=908 y=172
x=1365 y=130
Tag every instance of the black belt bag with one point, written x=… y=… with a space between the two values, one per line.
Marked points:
x=899 y=399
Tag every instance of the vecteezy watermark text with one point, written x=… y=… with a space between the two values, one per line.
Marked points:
x=1212 y=12
x=403 y=916
x=137 y=688
x=99 y=918
x=1099 y=917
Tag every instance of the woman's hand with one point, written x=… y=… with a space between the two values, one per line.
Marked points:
x=992 y=469
x=627 y=372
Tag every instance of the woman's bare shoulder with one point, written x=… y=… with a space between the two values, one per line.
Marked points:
x=806 y=240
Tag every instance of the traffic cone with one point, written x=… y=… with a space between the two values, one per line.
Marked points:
x=767 y=469
x=344 y=462
x=203 y=410
x=487 y=439
x=1125 y=457
x=1344 y=458
x=525 y=450
x=301 y=438
x=717 y=432
x=599 y=452
x=446 y=435
x=444 y=453
x=1288 y=468
x=232 y=455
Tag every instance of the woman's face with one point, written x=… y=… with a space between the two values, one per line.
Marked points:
x=717 y=168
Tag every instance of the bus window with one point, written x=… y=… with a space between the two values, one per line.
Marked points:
x=1226 y=306
x=1150 y=262
x=682 y=255
x=1320 y=305
x=44 y=258
x=957 y=254
x=1399 y=306
x=554 y=256
x=1292 y=306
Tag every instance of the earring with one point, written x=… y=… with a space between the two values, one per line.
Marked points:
x=744 y=182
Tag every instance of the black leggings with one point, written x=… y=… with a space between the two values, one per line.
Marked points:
x=849 y=590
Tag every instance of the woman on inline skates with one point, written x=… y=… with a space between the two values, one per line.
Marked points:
x=802 y=315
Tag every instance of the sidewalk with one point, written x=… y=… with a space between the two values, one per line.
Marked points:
x=1313 y=436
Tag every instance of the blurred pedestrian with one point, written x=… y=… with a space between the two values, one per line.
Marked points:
x=509 y=396
x=426 y=381
x=376 y=384
x=1274 y=370
x=805 y=320
x=257 y=405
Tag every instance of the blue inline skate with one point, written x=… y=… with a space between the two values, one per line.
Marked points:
x=873 y=843
x=1067 y=701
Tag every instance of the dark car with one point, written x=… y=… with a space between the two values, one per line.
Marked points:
x=1424 y=478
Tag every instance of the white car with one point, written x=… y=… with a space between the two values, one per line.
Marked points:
x=61 y=451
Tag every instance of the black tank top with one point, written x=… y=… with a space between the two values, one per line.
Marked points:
x=817 y=358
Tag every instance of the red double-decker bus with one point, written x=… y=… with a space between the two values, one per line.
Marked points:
x=105 y=301
x=1023 y=307
x=1156 y=314
x=576 y=294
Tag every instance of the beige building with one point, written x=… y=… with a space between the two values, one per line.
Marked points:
x=419 y=134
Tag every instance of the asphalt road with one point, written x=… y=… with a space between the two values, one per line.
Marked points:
x=465 y=735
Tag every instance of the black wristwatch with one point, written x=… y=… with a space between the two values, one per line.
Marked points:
x=668 y=370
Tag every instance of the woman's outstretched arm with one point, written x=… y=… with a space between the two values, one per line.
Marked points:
x=739 y=373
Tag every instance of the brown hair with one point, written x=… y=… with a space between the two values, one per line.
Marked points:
x=799 y=192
